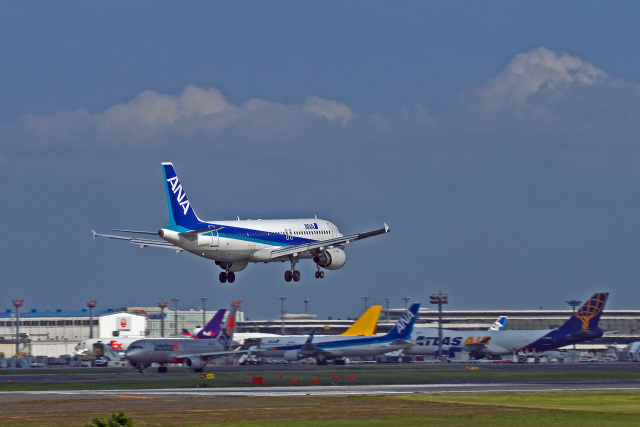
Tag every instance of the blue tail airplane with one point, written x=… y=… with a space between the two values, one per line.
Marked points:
x=234 y=244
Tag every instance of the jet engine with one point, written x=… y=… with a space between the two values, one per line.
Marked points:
x=234 y=266
x=292 y=356
x=196 y=363
x=331 y=259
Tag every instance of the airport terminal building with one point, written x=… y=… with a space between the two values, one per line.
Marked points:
x=56 y=333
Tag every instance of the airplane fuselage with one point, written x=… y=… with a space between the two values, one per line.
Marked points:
x=491 y=342
x=250 y=240
x=169 y=350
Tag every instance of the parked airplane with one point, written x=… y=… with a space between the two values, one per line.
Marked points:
x=499 y=324
x=337 y=347
x=365 y=325
x=193 y=353
x=211 y=330
x=233 y=244
x=581 y=326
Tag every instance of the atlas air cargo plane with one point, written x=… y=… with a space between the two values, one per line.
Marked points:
x=582 y=326
x=234 y=244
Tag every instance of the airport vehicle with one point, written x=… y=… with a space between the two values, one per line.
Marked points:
x=336 y=348
x=234 y=244
x=582 y=326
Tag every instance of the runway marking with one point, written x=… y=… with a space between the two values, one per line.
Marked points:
x=130 y=397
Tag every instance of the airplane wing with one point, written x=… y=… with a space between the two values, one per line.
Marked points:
x=307 y=247
x=213 y=354
x=143 y=243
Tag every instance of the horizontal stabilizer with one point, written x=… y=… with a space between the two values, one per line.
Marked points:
x=143 y=243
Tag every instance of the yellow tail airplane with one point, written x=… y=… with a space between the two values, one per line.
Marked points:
x=365 y=325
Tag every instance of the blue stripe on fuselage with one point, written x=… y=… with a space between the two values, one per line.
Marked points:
x=248 y=234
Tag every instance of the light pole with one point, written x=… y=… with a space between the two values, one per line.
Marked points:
x=282 y=312
x=17 y=303
x=306 y=305
x=175 y=301
x=406 y=302
x=439 y=299
x=574 y=303
x=162 y=305
x=91 y=304
x=366 y=305
x=388 y=300
x=204 y=311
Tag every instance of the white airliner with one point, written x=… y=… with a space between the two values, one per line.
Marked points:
x=234 y=244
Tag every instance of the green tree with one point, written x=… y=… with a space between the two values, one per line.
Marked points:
x=118 y=419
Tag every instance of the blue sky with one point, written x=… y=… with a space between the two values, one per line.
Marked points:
x=499 y=140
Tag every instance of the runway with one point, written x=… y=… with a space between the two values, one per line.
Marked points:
x=345 y=390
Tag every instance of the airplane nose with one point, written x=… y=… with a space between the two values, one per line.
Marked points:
x=133 y=352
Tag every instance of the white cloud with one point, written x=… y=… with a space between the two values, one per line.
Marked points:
x=195 y=110
x=330 y=110
x=531 y=72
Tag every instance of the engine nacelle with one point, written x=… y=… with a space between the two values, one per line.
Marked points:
x=194 y=363
x=331 y=259
x=292 y=356
x=234 y=266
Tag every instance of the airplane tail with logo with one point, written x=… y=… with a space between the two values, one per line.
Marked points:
x=212 y=330
x=365 y=325
x=499 y=324
x=404 y=326
x=180 y=210
x=587 y=317
x=230 y=326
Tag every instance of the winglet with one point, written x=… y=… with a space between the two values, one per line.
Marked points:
x=386 y=228
x=94 y=234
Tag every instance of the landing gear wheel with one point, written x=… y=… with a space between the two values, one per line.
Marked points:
x=319 y=274
x=231 y=276
x=288 y=276
x=223 y=277
x=296 y=276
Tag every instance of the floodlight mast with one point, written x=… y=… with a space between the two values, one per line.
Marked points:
x=162 y=305
x=17 y=303
x=439 y=299
x=91 y=304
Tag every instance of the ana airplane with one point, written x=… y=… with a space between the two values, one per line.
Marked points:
x=337 y=347
x=499 y=324
x=234 y=244
x=581 y=326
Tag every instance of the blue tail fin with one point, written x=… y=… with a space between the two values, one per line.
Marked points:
x=588 y=316
x=180 y=210
x=214 y=326
x=499 y=324
x=403 y=328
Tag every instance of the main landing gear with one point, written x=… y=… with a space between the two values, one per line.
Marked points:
x=292 y=274
x=229 y=276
